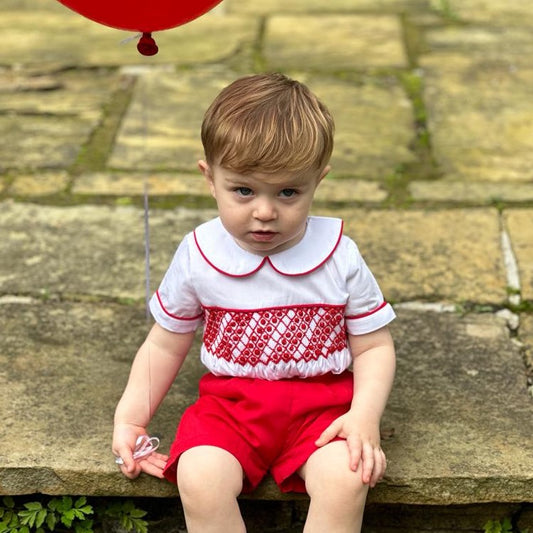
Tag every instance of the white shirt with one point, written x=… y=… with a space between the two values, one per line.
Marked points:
x=275 y=317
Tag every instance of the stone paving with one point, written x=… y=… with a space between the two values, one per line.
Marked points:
x=432 y=172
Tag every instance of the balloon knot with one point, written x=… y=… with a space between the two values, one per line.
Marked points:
x=146 y=45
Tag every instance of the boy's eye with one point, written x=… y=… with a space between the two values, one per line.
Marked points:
x=244 y=191
x=288 y=193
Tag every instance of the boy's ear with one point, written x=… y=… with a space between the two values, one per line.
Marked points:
x=205 y=169
x=324 y=173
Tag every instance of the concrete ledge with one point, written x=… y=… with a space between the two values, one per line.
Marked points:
x=449 y=437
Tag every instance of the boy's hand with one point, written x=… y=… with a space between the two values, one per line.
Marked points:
x=363 y=441
x=124 y=438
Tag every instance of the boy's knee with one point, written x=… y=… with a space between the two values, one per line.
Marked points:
x=204 y=472
x=329 y=476
x=331 y=481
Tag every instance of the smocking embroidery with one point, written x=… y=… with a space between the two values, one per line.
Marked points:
x=275 y=335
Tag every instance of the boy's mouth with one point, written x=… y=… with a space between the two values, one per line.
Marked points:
x=263 y=236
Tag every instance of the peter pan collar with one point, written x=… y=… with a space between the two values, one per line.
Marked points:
x=220 y=250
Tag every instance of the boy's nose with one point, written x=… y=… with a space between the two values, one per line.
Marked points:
x=264 y=210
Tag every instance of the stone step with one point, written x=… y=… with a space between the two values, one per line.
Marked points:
x=449 y=436
x=459 y=420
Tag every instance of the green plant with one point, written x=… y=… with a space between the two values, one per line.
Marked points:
x=129 y=516
x=495 y=526
x=58 y=514
x=503 y=526
x=67 y=515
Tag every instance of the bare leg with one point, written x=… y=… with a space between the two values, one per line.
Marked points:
x=337 y=493
x=209 y=481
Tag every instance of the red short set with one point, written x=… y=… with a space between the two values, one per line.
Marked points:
x=269 y=426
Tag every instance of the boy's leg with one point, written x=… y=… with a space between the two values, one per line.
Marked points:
x=337 y=493
x=209 y=481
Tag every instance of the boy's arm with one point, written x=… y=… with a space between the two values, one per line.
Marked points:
x=374 y=364
x=154 y=368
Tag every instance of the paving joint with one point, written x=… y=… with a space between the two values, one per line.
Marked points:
x=94 y=154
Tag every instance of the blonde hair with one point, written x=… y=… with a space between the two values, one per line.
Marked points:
x=267 y=123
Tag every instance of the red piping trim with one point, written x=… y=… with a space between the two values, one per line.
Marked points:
x=363 y=315
x=175 y=316
x=317 y=266
x=223 y=271
x=295 y=306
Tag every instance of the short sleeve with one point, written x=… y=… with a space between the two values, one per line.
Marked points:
x=175 y=305
x=366 y=309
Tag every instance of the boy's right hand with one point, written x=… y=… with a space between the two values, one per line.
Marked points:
x=124 y=440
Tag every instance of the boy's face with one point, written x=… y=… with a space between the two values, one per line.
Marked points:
x=265 y=213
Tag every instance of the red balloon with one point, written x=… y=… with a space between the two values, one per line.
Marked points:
x=144 y=16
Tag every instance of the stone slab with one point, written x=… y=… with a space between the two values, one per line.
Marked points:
x=161 y=130
x=63 y=93
x=46 y=119
x=337 y=42
x=500 y=13
x=349 y=191
x=520 y=226
x=63 y=370
x=268 y=7
x=373 y=125
x=103 y=183
x=435 y=255
x=478 y=192
x=40 y=184
x=64 y=366
x=42 y=142
x=450 y=410
x=479 y=103
x=55 y=251
x=60 y=37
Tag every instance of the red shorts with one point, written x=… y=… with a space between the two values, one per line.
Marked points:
x=269 y=426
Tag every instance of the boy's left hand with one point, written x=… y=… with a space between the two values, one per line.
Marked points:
x=363 y=441
x=124 y=438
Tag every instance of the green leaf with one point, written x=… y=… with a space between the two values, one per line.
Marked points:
x=27 y=518
x=84 y=527
x=51 y=521
x=67 y=502
x=507 y=526
x=41 y=517
x=77 y=514
x=140 y=526
x=54 y=504
x=8 y=501
x=126 y=522
x=138 y=513
x=492 y=526
x=81 y=501
x=9 y=519
x=12 y=520
x=67 y=518
x=33 y=506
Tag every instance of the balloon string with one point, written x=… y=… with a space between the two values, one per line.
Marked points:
x=131 y=38
x=144 y=129
x=146 y=249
